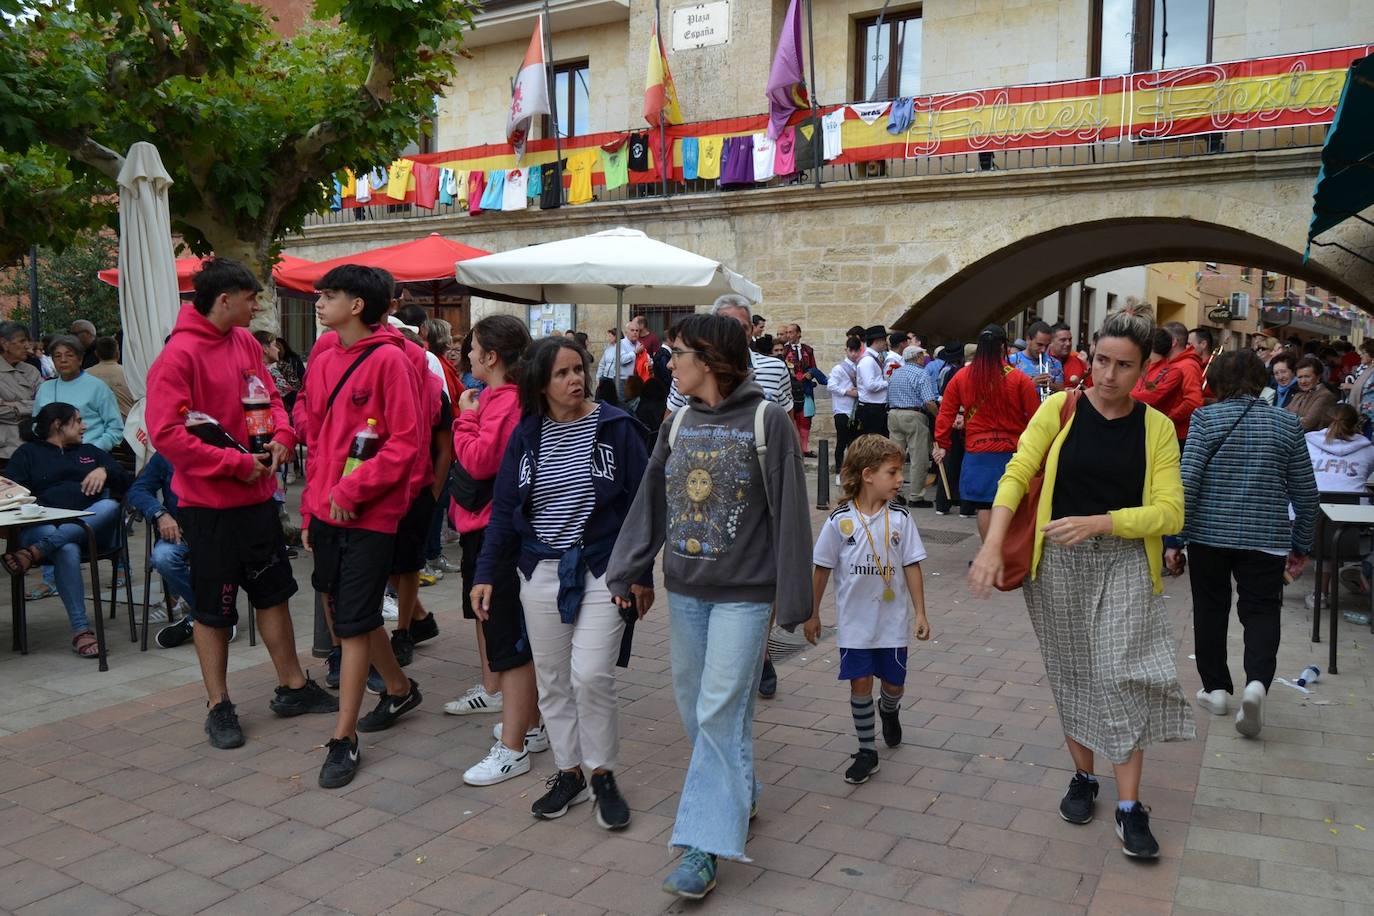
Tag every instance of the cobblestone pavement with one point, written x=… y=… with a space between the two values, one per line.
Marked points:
x=113 y=802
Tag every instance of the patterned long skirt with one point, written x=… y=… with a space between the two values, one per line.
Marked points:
x=1108 y=647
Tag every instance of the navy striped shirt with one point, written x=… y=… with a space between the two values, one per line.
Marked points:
x=563 y=496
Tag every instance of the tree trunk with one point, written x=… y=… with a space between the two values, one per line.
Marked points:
x=255 y=254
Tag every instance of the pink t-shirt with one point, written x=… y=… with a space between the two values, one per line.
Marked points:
x=785 y=159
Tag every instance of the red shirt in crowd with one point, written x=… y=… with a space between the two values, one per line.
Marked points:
x=993 y=426
x=1173 y=387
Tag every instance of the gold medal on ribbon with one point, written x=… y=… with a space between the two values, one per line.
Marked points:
x=884 y=569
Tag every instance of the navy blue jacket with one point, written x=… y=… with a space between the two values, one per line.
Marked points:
x=53 y=475
x=618 y=463
x=152 y=490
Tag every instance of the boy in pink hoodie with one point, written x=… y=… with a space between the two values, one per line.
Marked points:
x=227 y=514
x=360 y=387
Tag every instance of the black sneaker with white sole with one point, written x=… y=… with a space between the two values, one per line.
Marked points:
x=892 y=726
x=1076 y=806
x=222 y=726
x=1133 y=828
x=389 y=709
x=307 y=698
x=612 y=812
x=173 y=635
x=403 y=647
x=865 y=765
x=565 y=790
x=341 y=761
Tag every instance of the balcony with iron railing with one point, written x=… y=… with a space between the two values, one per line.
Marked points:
x=1277 y=103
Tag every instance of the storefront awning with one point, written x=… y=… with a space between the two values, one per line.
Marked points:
x=1345 y=184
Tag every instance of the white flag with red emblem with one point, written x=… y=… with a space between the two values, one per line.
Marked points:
x=530 y=96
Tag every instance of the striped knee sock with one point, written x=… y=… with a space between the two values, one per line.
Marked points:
x=889 y=703
x=862 y=708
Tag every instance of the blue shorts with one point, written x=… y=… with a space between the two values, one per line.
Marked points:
x=979 y=476
x=888 y=665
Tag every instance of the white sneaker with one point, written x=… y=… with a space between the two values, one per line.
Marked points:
x=390 y=609
x=444 y=564
x=1310 y=601
x=536 y=739
x=1250 y=719
x=157 y=613
x=475 y=701
x=500 y=764
x=1216 y=701
x=430 y=570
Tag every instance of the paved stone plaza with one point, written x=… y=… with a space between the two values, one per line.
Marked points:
x=114 y=803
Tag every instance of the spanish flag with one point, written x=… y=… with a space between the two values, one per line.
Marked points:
x=660 y=95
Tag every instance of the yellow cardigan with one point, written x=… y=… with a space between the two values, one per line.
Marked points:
x=1163 y=510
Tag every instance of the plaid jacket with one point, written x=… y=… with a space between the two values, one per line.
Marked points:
x=1241 y=499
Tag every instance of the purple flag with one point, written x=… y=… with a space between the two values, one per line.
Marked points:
x=786 y=85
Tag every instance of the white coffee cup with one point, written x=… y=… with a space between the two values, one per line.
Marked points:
x=30 y=510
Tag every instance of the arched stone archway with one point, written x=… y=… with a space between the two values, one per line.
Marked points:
x=1043 y=240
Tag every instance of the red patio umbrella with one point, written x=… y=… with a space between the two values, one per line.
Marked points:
x=425 y=264
x=187 y=267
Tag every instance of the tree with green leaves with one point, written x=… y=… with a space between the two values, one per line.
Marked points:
x=68 y=287
x=251 y=125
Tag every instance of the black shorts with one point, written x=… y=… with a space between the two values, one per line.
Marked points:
x=412 y=533
x=351 y=569
x=242 y=547
x=508 y=645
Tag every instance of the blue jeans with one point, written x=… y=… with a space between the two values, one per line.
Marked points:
x=61 y=545
x=173 y=563
x=717 y=654
x=434 y=544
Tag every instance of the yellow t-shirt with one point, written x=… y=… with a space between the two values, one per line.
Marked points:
x=708 y=157
x=580 y=168
x=398 y=178
x=349 y=186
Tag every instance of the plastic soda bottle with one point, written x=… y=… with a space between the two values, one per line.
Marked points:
x=207 y=429
x=365 y=445
x=1309 y=676
x=257 y=413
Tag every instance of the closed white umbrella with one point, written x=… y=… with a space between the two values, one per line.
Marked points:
x=148 y=297
x=590 y=268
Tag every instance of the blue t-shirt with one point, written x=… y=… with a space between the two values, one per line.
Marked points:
x=1035 y=366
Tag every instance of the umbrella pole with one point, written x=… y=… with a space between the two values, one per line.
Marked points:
x=620 y=325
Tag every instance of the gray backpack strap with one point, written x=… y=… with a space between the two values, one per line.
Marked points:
x=761 y=450
x=678 y=417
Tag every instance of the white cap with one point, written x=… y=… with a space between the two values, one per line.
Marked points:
x=911 y=354
x=401 y=325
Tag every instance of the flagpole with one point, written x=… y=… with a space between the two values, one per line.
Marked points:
x=667 y=164
x=817 y=133
x=553 y=101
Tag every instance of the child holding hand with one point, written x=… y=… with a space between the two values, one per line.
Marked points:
x=872 y=546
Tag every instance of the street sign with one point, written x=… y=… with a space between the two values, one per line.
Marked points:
x=701 y=26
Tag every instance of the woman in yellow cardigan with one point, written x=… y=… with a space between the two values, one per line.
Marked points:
x=1112 y=490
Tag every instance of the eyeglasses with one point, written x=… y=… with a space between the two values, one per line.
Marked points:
x=678 y=354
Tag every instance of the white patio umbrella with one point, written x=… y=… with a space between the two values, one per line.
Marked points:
x=148 y=297
x=590 y=268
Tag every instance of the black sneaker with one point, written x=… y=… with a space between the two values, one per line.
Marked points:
x=331 y=672
x=865 y=765
x=222 y=726
x=565 y=790
x=972 y=513
x=309 y=697
x=341 y=761
x=1077 y=804
x=389 y=709
x=611 y=810
x=173 y=635
x=892 y=726
x=403 y=647
x=424 y=628
x=768 y=681
x=1133 y=827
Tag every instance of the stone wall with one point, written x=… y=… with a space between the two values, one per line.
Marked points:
x=1255 y=28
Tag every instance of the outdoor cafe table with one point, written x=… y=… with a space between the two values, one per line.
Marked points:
x=1335 y=518
x=11 y=523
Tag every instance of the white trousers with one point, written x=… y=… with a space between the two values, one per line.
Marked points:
x=574 y=665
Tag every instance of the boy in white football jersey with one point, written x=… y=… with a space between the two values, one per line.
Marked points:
x=872 y=546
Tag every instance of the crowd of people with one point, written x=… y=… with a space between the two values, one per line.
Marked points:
x=566 y=478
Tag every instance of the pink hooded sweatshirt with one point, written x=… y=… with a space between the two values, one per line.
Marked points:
x=382 y=388
x=479 y=442
x=205 y=370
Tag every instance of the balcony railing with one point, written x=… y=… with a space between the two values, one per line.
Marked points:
x=1243 y=106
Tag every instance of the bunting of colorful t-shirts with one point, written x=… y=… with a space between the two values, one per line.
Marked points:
x=660 y=93
x=530 y=94
x=786 y=86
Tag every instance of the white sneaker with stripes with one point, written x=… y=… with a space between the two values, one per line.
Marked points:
x=500 y=764
x=476 y=700
x=536 y=739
